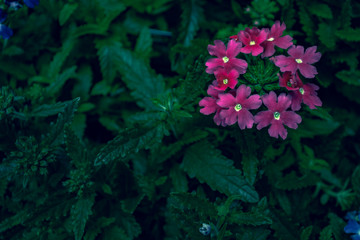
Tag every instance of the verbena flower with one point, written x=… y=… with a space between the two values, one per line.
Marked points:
x=5 y=31
x=353 y=227
x=31 y=3
x=299 y=60
x=300 y=92
x=274 y=39
x=238 y=107
x=252 y=38
x=225 y=57
x=225 y=79
x=210 y=106
x=276 y=115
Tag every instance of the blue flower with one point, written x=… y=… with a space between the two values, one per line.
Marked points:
x=31 y=3
x=353 y=227
x=5 y=31
x=3 y=16
x=13 y=4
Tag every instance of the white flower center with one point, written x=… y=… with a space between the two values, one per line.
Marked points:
x=298 y=60
x=271 y=39
x=276 y=115
x=252 y=43
x=225 y=81
x=225 y=59
x=237 y=107
x=301 y=90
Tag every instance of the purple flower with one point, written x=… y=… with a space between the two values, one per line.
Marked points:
x=210 y=106
x=299 y=60
x=274 y=39
x=276 y=115
x=307 y=94
x=252 y=38
x=225 y=57
x=238 y=107
x=31 y=3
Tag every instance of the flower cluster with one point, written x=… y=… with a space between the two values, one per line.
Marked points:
x=5 y=31
x=353 y=225
x=231 y=104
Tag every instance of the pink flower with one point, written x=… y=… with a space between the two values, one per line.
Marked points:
x=299 y=60
x=225 y=80
x=225 y=57
x=210 y=106
x=307 y=94
x=252 y=38
x=276 y=115
x=274 y=39
x=238 y=107
x=290 y=81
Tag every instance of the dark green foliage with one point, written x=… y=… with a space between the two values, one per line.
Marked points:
x=102 y=138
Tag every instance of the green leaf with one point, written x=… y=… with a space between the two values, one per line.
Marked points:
x=250 y=163
x=143 y=47
x=327 y=35
x=350 y=34
x=66 y=12
x=206 y=163
x=101 y=88
x=96 y=228
x=46 y=110
x=293 y=182
x=284 y=228
x=80 y=213
x=305 y=234
x=74 y=148
x=350 y=77
x=320 y=10
x=250 y=218
x=59 y=59
x=128 y=141
x=193 y=202
x=60 y=80
x=326 y=233
x=179 y=180
x=190 y=19
x=254 y=234
x=337 y=226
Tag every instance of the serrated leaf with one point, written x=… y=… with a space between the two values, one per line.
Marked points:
x=326 y=234
x=350 y=34
x=74 y=148
x=66 y=12
x=321 y=10
x=190 y=18
x=59 y=59
x=327 y=35
x=192 y=202
x=293 y=182
x=250 y=218
x=60 y=80
x=305 y=234
x=80 y=213
x=254 y=234
x=250 y=163
x=206 y=163
x=143 y=46
x=93 y=231
x=337 y=226
x=350 y=77
x=128 y=141
x=284 y=228
x=46 y=110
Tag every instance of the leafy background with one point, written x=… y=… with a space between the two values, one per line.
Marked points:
x=101 y=135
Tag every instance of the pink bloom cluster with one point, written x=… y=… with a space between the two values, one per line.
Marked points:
x=237 y=105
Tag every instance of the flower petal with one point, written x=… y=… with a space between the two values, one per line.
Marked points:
x=296 y=51
x=245 y=119
x=229 y=116
x=276 y=129
x=296 y=100
x=307 y=70
x=218 y=50
x=226 y=100
x=239 y=65
x=310 y=56
x=214 y=64
x=290 y=119
x=284 y=42
x=263 y=119
x=233 y=48
x=256 y=50
x=352 y=227
x=269 y=101
x=209 y=105
x=253 y=102
x=284 y=102
x=242 y=93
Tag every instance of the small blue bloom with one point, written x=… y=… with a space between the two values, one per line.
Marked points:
x=5 y=31
x=352 y=215
x=31 y=3
x=13 y=4
x=353 y=227
x=205 y=229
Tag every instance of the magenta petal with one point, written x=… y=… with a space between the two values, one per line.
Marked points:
x=239 y=65
x=310 y=56
x=312 y=101
x=284 y=102
x=270 y=101
x=296 y=100
x=229 y=115
x=245 y=119
x=276 y=129
x=261 y=37
x=247 y=49
x=218 y=50
x=256 y=50
x=242 y=93
x=269 y=49
x=263 y=119
x=233 y=74
x=290 y=119
x=233 y=48
x=209 y=105
x=284 y=42
x=253 y=102
x=244 y=37
x=296 y=51
x=217 y=118
x=212 y=91
x=286 y=63
x=311 y=87
x=307 y=70
x=226 y=100
x=213 y=64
